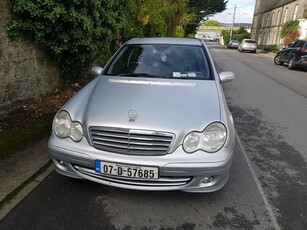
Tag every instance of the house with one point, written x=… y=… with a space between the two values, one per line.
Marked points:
x=270 y=15
x=206 y=32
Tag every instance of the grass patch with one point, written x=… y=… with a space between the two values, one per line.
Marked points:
x=30 y=129
x=32 y=120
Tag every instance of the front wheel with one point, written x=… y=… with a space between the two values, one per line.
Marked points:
x=277 y=60
x=291 y=64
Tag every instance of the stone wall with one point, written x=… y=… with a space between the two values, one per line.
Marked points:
x=25 y=71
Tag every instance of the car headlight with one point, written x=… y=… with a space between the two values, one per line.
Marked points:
x=64 y=127
x=210 y=140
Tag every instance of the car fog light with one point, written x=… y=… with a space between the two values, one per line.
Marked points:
x=207 y=180
x=62 y=163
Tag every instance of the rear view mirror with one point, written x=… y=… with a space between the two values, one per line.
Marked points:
x=96 y=70
x=226 y=76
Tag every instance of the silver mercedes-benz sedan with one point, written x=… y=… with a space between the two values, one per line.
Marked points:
x=155 y=118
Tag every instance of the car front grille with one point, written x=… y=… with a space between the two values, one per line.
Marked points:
x=157 y=183
x=131 y=142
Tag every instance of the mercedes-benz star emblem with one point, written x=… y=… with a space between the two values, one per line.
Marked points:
x=132 y=115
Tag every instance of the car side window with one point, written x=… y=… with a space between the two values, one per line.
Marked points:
x=301 y=44
x=290 y=45
x=296 y=44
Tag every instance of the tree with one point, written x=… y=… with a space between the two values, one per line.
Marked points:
x=162 y=18
x=200 y=9
x=176 y=10
x=211 y=23
x=146 y=19
x=239 y=35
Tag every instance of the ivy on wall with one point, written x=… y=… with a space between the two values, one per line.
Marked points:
x=290 y=31
x=74 y=33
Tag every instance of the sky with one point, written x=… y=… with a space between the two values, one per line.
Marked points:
x=244 y=12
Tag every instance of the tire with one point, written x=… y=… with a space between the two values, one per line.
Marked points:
x=277 y=61
x=291 y=64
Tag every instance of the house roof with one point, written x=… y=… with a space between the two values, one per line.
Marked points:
x=270 y=5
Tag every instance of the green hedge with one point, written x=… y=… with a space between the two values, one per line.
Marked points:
x=270 y=48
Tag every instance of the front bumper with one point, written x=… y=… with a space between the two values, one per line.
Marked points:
x=177 y=171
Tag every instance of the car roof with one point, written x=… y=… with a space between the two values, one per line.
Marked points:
x=166 y=40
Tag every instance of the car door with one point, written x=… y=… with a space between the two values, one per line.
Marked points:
x=289 y=50
x=284 y=51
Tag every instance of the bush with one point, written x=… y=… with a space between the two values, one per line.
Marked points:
x=270 y=48
x=73 y=33
x=236 y=35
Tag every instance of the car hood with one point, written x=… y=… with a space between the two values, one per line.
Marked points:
x=141 y=103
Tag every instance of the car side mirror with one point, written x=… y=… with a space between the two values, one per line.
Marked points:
x=96 y=70
x=226 y=76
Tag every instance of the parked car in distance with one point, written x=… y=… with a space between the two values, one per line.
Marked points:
x=233 y=44
x=295 y=54
x=155 y=118
x=214 y=39
x=248 y=45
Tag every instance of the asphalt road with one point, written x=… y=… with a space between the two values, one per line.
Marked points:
x=268 y=181
x=269 y=106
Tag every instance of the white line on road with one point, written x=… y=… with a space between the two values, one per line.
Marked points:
x=265 y=200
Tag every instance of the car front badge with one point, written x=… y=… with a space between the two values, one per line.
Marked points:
x=132 y=115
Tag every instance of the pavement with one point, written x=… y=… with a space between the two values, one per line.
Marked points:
x=21 y=170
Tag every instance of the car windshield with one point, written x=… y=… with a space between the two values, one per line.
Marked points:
x=161 y=61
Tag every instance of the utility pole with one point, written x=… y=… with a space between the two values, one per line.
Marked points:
x=233 y=21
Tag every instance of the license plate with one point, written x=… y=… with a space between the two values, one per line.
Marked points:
x=124 y=170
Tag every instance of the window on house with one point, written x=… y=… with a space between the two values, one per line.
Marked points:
x=295 y=12
x=285 y=15
x=278 y=18
x=269 y=39
x=263 y=21
x=273 y=18
x=274 y=38
x=267 y=20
